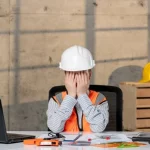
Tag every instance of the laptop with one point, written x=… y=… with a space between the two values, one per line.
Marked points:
x=8 y=138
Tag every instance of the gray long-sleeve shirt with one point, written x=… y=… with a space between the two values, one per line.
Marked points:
x=96 y=115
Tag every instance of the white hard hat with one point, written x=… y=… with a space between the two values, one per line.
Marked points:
x=76 y=58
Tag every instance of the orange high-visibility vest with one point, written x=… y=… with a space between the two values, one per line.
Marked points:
x=71 y=124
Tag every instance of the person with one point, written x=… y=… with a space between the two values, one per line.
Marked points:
x=78 y=109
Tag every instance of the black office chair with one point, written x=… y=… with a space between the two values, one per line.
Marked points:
x=114 y=98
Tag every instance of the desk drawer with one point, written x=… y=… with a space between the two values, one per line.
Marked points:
x=143 y=113
x=143 y=123
x=143 y=92
x=143 y=103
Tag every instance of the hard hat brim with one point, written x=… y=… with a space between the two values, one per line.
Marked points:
x=144 y=81
x=73 y=70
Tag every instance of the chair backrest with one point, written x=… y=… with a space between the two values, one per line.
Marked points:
x=115 y=102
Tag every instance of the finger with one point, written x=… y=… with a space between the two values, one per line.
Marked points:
x=75 y=78
x=70 y=76
x=66 y=75
x=86 y=77
x=82 y=76
x=78 y=78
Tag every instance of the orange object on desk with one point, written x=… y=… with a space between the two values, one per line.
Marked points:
x=29 y=142
x=43 y=142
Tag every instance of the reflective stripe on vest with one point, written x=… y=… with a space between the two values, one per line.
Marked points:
x=72 y=123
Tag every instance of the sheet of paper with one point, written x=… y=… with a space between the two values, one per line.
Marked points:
x=98 y=138
x=86 y=137
x=131 y=134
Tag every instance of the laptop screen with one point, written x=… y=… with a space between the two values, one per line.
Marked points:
x=3 y=134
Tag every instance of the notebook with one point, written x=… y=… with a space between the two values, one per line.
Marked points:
x=9 y=137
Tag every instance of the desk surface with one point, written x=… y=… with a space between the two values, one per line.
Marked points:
x=20 y=146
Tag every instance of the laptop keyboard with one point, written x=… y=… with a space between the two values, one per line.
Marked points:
x=14 y=136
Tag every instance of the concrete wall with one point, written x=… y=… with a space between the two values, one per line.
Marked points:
x=34 y=33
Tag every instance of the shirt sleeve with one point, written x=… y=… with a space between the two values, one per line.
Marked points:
x=58 y=115
x=96 y=115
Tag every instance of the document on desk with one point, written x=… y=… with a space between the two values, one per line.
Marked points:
x=99 y=138
x=131 y=134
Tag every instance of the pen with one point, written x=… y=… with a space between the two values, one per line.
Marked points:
x=73 y=139
x=68 y=140
x=77 y=137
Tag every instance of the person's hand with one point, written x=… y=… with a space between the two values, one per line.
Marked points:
x=70 y=83
x=83 y=82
